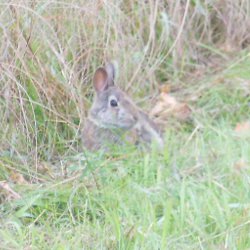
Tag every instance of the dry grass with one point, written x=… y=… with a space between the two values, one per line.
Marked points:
x=48 y=52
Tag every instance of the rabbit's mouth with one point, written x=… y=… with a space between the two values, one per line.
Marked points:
x=124 y=124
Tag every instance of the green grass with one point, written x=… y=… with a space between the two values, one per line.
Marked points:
x=193 y=195
x=138 y=202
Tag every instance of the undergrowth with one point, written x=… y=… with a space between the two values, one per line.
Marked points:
x=55 y=195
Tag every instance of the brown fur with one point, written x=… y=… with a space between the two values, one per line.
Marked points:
x=119 y=124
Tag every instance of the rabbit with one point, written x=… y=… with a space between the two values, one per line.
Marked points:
x=113 y=118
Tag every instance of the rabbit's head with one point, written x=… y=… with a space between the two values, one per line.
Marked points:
x=111 y=108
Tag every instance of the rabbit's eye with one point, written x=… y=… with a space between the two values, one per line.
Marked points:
x=113 y=103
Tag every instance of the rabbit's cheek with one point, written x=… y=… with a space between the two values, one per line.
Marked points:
x=127 y=120
x=114 y=112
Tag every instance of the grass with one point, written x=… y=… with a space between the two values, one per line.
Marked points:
x=194 y=196
x=54 y=195
x=128 y=203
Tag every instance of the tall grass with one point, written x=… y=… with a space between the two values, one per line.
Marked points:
x=195 y=195
x=49 y=50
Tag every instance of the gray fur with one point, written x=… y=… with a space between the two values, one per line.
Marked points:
x=112 y=125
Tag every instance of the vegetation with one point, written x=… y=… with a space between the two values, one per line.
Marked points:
x=55 y=195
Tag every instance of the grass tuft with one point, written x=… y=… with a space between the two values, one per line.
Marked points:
x=54 y=195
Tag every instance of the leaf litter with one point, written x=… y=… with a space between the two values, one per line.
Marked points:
x=167 y=107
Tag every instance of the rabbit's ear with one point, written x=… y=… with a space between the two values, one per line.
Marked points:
x=110 y=69
x=100 y=79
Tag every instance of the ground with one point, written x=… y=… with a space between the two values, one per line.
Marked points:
x=55 y=195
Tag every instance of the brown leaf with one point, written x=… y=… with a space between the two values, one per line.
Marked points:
x=168 y=106
x=10 y=194
x=229 y=47
x=182 y=112
x=165 y=88
x=44 y=167
x=17 y=178
x=241 y=165
x=243 y=127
